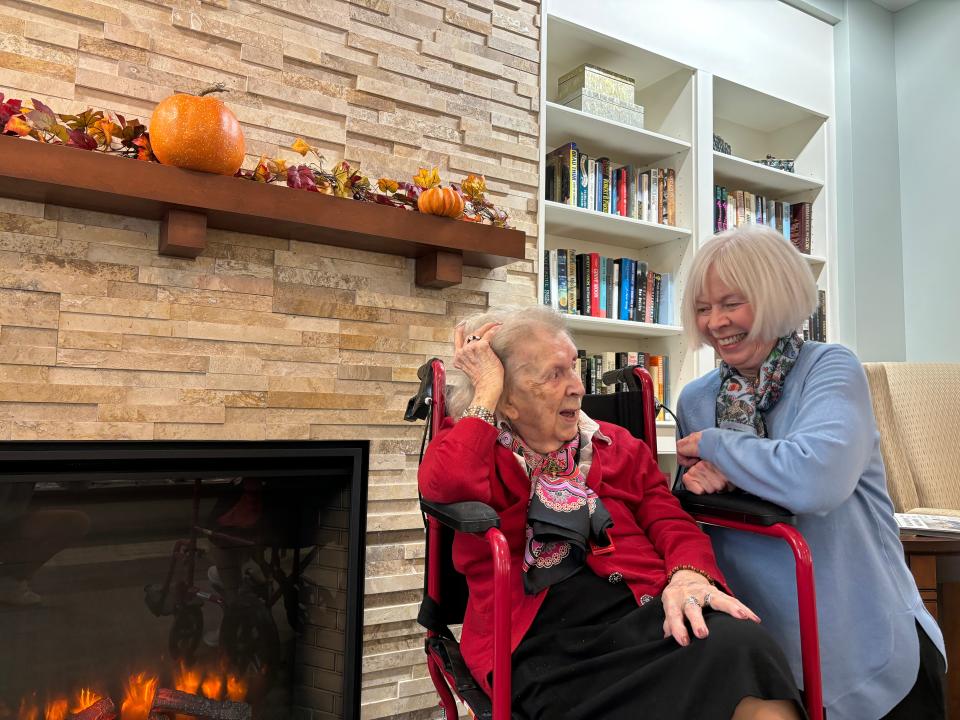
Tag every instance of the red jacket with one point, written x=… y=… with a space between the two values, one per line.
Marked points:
x=651 y=534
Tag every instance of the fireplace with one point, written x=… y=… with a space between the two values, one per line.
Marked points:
x=151 y=580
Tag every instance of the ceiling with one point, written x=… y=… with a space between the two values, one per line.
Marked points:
x=895 y=5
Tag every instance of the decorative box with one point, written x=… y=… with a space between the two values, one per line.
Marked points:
x=778 y=163
x=598 y=81
x=721 y=145
x=591 y=102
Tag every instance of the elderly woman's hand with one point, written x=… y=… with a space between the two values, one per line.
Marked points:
x=689 y=447
x=703 y=477
x=684 y=599
x=474 y=356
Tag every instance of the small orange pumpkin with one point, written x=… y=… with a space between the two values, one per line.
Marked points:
x=197 y=132
x=441 y=201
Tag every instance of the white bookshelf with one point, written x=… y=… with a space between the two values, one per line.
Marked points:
x=730 y=170
x=757 y=124
x=686 y=99
x=578 y=223
x=624 y=329
x=638 y=146
x=665 y=88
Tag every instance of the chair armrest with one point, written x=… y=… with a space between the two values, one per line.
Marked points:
x=469 y=517
x=736 y=505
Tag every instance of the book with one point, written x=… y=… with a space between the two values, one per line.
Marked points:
x=565 y=160
x=671 y=213
x=583 y=180
x=936 y=525
x=563 y=293
x=573 y=291
x=547 y=300
x=603 y=171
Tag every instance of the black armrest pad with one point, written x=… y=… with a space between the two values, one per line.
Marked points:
x=470 y=517
x=736 y=505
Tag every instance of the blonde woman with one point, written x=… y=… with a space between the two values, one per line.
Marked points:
x=790 y=421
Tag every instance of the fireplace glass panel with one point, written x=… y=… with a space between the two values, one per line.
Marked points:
x=222 y=580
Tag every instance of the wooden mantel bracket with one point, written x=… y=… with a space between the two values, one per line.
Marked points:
x=439 y=269
x=187 y=203
x=183 y=233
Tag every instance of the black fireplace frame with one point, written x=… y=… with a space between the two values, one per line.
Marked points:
x=84 y=460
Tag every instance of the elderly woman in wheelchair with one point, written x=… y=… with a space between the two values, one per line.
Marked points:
x=791 y=422
x=618 y=609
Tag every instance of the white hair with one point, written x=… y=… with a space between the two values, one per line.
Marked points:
x=518 y=324
x=769 y=271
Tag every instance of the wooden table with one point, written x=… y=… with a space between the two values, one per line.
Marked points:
x=941 y=599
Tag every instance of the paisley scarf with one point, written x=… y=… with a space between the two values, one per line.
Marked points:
x=563 y=517
x=741 y=403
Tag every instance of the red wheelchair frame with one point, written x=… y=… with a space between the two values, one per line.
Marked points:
x=736 y=511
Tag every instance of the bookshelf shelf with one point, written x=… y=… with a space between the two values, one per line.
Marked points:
x=619 y=328
x=730 y=170
x=816 y=262
x=598 y=137
x=580 y=223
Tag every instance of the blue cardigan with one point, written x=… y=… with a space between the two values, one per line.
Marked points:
x=822 y=461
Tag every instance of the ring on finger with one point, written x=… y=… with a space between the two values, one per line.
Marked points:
x=472 y=338
x=692 y=600
x=706 y=599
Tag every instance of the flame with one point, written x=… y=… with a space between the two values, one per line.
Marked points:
x=85 y=698
x=139 y=699
x=187 y=681
x=236 y=689
x=56 y=710
x=212 y=687
x=28 y=711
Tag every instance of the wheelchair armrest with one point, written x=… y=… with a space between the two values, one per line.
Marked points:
x=737 y=505
x=418 y=407
x=470 y=517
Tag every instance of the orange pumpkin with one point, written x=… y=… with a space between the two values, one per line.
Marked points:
x=441 y=201
x=197 y=132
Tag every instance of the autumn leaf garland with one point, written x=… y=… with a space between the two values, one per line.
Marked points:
x=103 y=132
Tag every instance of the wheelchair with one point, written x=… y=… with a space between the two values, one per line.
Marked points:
x=249 y=638
x=445 y=591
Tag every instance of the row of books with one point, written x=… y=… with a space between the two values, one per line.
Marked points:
x=592 y=367
x=733 y=208
x=574 y=178
x=815 y=327
x=598 y=286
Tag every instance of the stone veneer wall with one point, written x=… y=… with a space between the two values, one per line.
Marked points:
x=261 y=337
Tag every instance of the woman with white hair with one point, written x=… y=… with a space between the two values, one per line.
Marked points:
x=790 y=421
x=618 y=610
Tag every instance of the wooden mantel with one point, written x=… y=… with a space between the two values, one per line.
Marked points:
x=186 y=203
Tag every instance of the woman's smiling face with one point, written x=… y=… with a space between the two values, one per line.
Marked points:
x=725 y=316
x=542 y=398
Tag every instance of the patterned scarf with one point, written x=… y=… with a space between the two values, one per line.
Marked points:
x=740 y=404
x=563 y=516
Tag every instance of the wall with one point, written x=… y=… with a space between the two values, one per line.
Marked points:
x=928 y=108
x=261 y=337
x=870 y=276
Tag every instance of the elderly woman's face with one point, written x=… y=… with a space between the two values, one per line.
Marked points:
x=725 y=316
x=542 y=399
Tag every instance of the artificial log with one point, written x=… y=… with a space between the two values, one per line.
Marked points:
x=181 y=703
x=102 y=709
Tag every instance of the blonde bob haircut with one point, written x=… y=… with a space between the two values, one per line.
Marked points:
x=763 y=265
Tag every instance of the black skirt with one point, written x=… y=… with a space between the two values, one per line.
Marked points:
x=592 y=652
